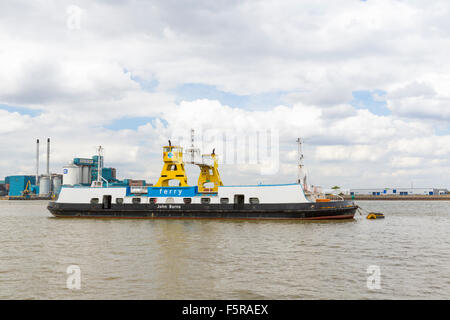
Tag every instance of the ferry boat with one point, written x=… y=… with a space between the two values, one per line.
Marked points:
x=209 y=199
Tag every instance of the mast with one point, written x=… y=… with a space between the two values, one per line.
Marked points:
x=301 y=179
x=99 y=182
x=192 y=150
x=99 y=164
x=192 y=146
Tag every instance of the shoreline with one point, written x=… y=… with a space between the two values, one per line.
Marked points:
x=444 y=197
x=22 y=198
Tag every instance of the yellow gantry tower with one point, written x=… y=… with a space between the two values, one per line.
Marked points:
x=173 y=168
x=209 y=173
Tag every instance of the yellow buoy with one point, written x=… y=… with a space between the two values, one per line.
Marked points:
x=375 y=215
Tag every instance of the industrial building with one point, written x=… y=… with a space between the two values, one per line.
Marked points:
x=3 y=191
x=398 y=191
x=33 y=186
x=82 y=171
x=17 y=184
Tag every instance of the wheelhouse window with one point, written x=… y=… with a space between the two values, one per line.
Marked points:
x=224 y=200
x=205 y=200
x=136 y=200
x=153 y=200
x=187 y=200
x=254 y=200
x=119 y=200
x=94 y=200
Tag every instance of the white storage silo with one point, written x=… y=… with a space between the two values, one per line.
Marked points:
x=86 y=175
x=44 y=186
x=56 y=183
x=71 y=175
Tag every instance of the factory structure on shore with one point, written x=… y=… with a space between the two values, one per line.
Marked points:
x=80 y=171
x=42 y=186
x=86 y=171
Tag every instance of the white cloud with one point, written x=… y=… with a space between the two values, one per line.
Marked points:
x=317 y=53
x=12 y=121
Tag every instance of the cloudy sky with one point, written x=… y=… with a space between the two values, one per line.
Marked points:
x=364 y=83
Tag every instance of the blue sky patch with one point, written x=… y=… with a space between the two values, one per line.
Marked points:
x=132 y=123
x=194 y=91
x=443 y=130
x=21 y=110
x=374 y=101
x=147 y=85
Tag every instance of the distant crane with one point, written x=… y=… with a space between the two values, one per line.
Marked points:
x=27 y=191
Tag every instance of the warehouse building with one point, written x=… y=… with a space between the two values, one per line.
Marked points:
x=17 y=184
x=398 y=191
x=3 y=190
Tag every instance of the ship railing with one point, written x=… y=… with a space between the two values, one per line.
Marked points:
x=335 y=197
x=107 y=183
x=99 y=184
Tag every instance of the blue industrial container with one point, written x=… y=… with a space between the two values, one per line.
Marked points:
x=17 y=184
x=109 y=174
x=35 y=189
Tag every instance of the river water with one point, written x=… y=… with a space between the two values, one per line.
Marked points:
x=207 y=259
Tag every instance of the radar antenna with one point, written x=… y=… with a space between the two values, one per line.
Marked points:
x=193 y=150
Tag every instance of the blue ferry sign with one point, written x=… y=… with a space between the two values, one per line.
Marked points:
x=172 y=191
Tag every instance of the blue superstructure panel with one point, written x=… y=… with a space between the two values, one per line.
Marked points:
x=172 y=191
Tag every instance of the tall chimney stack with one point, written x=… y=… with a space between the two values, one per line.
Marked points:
x=48 y=157
x=37 y=161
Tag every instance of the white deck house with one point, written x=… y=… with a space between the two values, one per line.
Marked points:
x=283 y=193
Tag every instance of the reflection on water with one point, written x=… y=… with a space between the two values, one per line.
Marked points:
x=208 y=259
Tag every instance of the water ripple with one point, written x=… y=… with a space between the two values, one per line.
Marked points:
x=145 y=259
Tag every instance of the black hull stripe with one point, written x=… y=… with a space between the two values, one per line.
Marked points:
x=340 y=217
